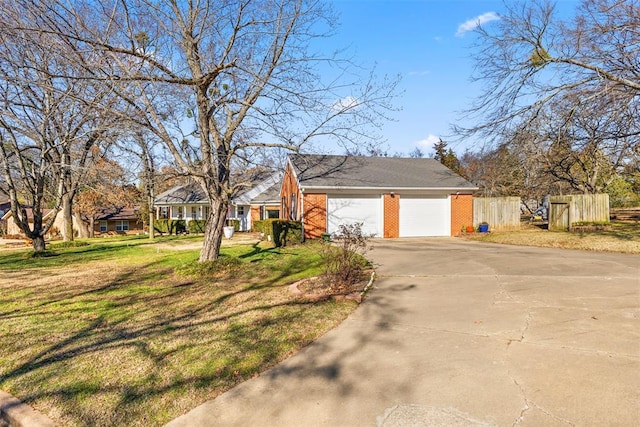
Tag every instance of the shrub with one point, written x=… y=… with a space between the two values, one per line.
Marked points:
x=282 y=232
x=258 y=226
x=197 y=226
x=170 y=226
x=235 y=223
x=344 y=261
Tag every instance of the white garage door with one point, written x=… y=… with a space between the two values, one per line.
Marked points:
x=348 y=210
x=425 y=216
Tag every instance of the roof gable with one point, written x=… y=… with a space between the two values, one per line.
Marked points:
x=374 y=172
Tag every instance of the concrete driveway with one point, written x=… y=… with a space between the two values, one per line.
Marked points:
x=464 y=333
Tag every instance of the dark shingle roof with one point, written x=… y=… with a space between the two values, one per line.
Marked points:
x=271 y=194
x=123 y=213
x=190 y=193
x=315 y=170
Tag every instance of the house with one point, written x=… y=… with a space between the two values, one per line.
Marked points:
x=125 y=220
x=391 y=196
x=122 y=221
x=189 y=202
x=13 y=229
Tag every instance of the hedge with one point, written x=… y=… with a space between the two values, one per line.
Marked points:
x=197 y=226
x=282 y=232
x=235 y=223
x=170 y=226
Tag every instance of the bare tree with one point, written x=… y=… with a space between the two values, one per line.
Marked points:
x=244 y=71
x=52 y=117
x=570 y=86
x=531 y=56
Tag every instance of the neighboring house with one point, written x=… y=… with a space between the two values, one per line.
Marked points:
x=391 y=196
x=123 y=220
x=12 y=227
x=189 y=202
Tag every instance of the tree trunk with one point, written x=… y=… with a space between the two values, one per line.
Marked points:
x=38 y=244
x=152 y=233
x=213 y=231
x=67 y=219
x=92 y=224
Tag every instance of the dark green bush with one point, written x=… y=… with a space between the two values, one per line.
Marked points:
x=197 y=226
x=235 y=223
x=170 y=226
x=282 y=232
x=258 y=226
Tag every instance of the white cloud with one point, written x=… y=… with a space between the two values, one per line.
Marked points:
x=345 y=103
x=428 y=142
x=473 y=23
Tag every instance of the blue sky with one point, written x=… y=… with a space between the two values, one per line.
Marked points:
x=427 y=43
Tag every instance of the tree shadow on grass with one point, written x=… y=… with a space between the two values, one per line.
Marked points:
x=173 y=328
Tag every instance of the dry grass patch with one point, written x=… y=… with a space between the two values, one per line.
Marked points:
x=124 y=340
x=622 y=237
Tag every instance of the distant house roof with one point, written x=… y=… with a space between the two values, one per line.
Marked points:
x=190 y=193
x=193 y=193
x=118 y=214
x=322 y=171
x=45 y=214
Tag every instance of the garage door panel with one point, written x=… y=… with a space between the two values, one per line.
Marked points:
x=425 y=216
x=349 y=210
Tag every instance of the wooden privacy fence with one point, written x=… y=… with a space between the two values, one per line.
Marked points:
x=567 y=210
x=501 y=213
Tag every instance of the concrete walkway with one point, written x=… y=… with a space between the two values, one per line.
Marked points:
x=461 y=333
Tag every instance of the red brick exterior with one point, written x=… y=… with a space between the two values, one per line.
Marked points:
x=461 y=212
x=391 y=216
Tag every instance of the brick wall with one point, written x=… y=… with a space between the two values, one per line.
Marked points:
x=461 y=212
x=391 y=216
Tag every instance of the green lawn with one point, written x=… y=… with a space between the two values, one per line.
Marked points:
x=116 y=333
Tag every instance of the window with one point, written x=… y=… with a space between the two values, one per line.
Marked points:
x=206 y=212
x=122 y=225
x=163 y=213
x=180 y=212
x=240 y=210
x=103 y=226
x=194 y=212
x=273 y=213
x=293 y=207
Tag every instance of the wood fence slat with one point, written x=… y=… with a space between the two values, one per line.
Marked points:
x=501 y=213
